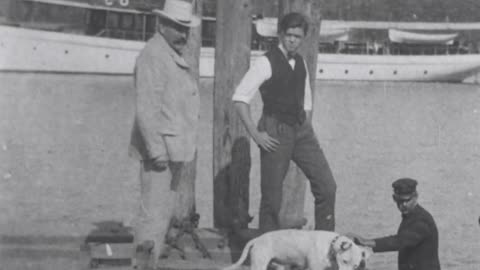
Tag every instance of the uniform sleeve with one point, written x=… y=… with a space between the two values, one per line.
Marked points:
x=257 y=74
x=308 y=102
x=149 y=82
x=408 y=237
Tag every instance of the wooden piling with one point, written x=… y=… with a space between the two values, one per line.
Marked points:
x=185 y=200
x=231 y=142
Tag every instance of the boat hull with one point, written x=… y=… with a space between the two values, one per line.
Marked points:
x=43 y=51
x=443 y=68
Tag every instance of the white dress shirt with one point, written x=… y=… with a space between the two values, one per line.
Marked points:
x=260 y=72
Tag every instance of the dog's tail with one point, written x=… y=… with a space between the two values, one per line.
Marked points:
x=243 y=257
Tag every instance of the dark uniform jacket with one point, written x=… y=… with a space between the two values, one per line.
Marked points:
x=416 y=242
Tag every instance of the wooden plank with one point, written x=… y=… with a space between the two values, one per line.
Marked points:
x=293 y=203
x=231 y=143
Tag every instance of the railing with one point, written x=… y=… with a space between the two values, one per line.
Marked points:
x=125 y=34
x=264 y=44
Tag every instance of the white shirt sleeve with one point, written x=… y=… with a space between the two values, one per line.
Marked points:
x=307 y=102
x=258 y=73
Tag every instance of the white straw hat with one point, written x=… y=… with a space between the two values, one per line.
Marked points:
x=180 y=12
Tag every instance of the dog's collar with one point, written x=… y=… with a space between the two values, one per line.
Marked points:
x=332 y=254
x=332 y=244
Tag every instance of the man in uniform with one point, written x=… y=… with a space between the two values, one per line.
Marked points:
x=417 y=238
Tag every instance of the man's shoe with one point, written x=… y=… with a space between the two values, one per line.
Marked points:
x=144 y=256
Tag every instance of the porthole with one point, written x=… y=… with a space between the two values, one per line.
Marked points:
x=107 y=56
x=425 y=72
x=371 y=72
x=320 y=71
x=66 y=51
x=395 y=72
x=346 y=71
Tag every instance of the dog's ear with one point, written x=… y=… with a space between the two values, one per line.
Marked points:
x=345 y=245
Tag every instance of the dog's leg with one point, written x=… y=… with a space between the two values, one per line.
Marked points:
x=259 y=263
x=314 y=262
x=259 y=260
x=277 y=266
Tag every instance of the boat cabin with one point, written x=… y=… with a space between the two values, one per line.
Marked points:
x=119 y=19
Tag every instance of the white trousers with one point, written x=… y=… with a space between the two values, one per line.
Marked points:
x=155 y=209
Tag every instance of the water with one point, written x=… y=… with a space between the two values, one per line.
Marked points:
x=374 y=133
x=64 y=162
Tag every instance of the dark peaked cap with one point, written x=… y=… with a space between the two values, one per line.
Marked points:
x=404 y=188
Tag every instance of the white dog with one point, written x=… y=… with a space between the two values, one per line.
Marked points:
x=314 y=250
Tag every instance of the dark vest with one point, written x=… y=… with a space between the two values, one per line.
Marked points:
x=283 y=94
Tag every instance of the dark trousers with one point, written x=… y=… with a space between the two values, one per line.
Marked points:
x=299 y=144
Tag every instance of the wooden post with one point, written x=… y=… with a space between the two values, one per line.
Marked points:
x=293 y=204
x=185 y=201
x=267 y=8
x=10 y=10
x=231 y=143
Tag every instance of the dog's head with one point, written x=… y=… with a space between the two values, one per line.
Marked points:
x=348 y=255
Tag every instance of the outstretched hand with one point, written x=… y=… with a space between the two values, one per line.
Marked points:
x=357 y=239
x=265 y=141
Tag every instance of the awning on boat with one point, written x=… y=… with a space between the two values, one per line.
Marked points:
x=267 y=27
x=420 y=38
x=384 y=25
x=331 y=35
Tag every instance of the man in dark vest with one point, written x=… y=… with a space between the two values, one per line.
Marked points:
x=417 y=238
x=284 y=131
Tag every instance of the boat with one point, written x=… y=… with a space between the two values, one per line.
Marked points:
x=104 y=44
x=412 y=56
x=115 y=31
